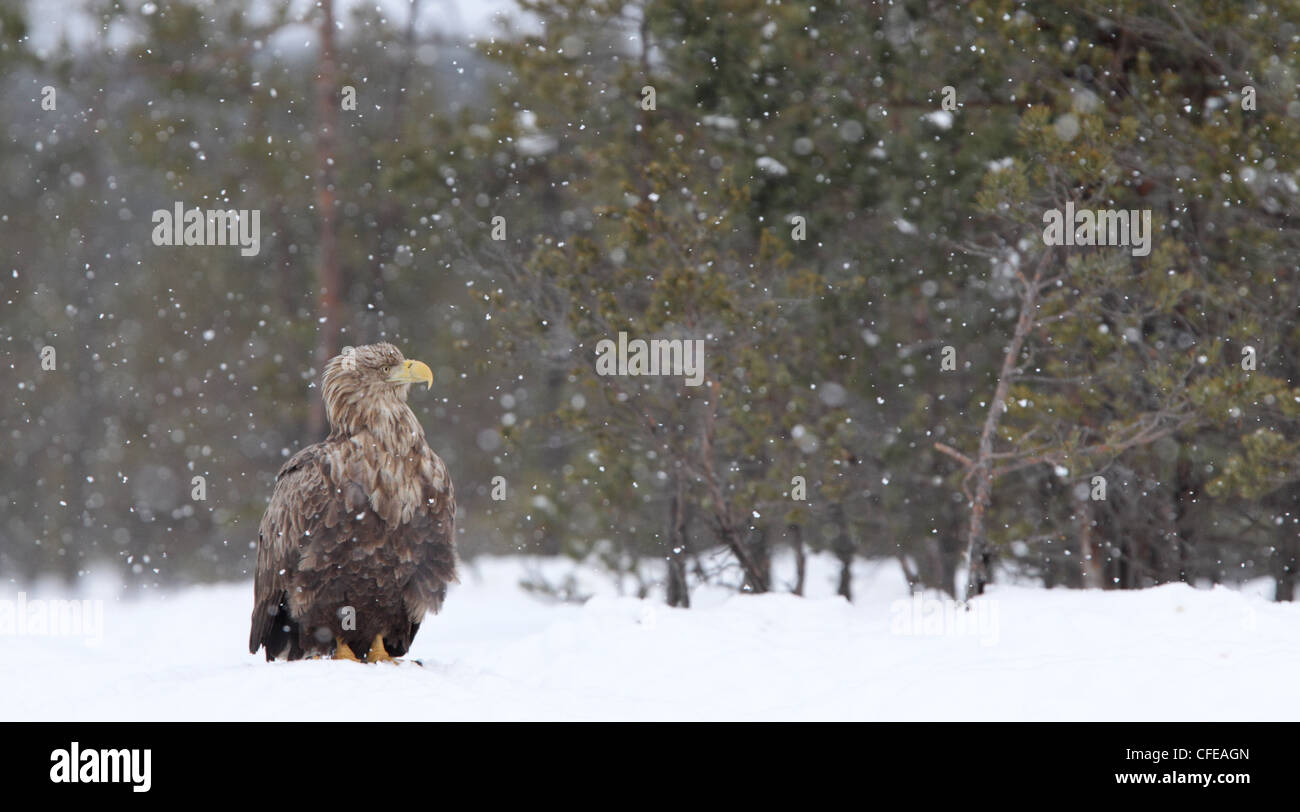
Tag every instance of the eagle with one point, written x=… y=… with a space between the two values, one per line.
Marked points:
x=357 y=544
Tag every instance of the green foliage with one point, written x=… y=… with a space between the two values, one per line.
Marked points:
x=823 y=355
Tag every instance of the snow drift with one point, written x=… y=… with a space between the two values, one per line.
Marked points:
x=501 y=652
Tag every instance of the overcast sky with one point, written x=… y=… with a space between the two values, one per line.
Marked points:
x=49 y=20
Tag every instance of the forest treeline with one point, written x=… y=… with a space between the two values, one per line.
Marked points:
x=844 y=202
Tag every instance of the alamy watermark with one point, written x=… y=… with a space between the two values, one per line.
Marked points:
x=1098 y=227
x=920 y=616
x=74 y=765
x=52 y=618
x=658 y=356
x=181 y=226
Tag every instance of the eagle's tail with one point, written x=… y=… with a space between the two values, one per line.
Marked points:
x=275 y=630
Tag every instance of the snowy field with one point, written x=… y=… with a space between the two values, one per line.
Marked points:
x=499 y=652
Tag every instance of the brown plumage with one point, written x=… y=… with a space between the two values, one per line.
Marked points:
x=357 y=542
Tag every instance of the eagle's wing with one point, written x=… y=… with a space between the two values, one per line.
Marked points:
x=434 y=550
x=304 y=504
x=331 y=484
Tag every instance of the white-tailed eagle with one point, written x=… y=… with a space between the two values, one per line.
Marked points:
x=357 y=543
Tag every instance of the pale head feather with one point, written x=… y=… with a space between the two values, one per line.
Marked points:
x=360 y=398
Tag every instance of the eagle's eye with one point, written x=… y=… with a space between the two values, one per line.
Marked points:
x=385 y=368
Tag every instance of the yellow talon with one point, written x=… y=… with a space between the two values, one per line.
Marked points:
x=343 y=652
x=377 y=653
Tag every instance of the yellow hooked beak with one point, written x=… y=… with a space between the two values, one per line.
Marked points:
x=412 y=372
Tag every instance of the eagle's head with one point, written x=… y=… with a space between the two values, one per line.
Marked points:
x=365 y=389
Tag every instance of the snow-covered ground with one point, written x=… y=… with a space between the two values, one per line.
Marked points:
x=499 y=652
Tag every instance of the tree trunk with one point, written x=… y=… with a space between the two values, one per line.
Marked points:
x=800 y=557
x=329 y=278
x=1125 y=578
x=1287 y=566
x=1286 y=555
x=950 y=554
x=678 y=592
x=843 y=548
x=1186 y=485
x=977 y=552
x=1090 y=559
x=760 y=553
x=727 y=525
